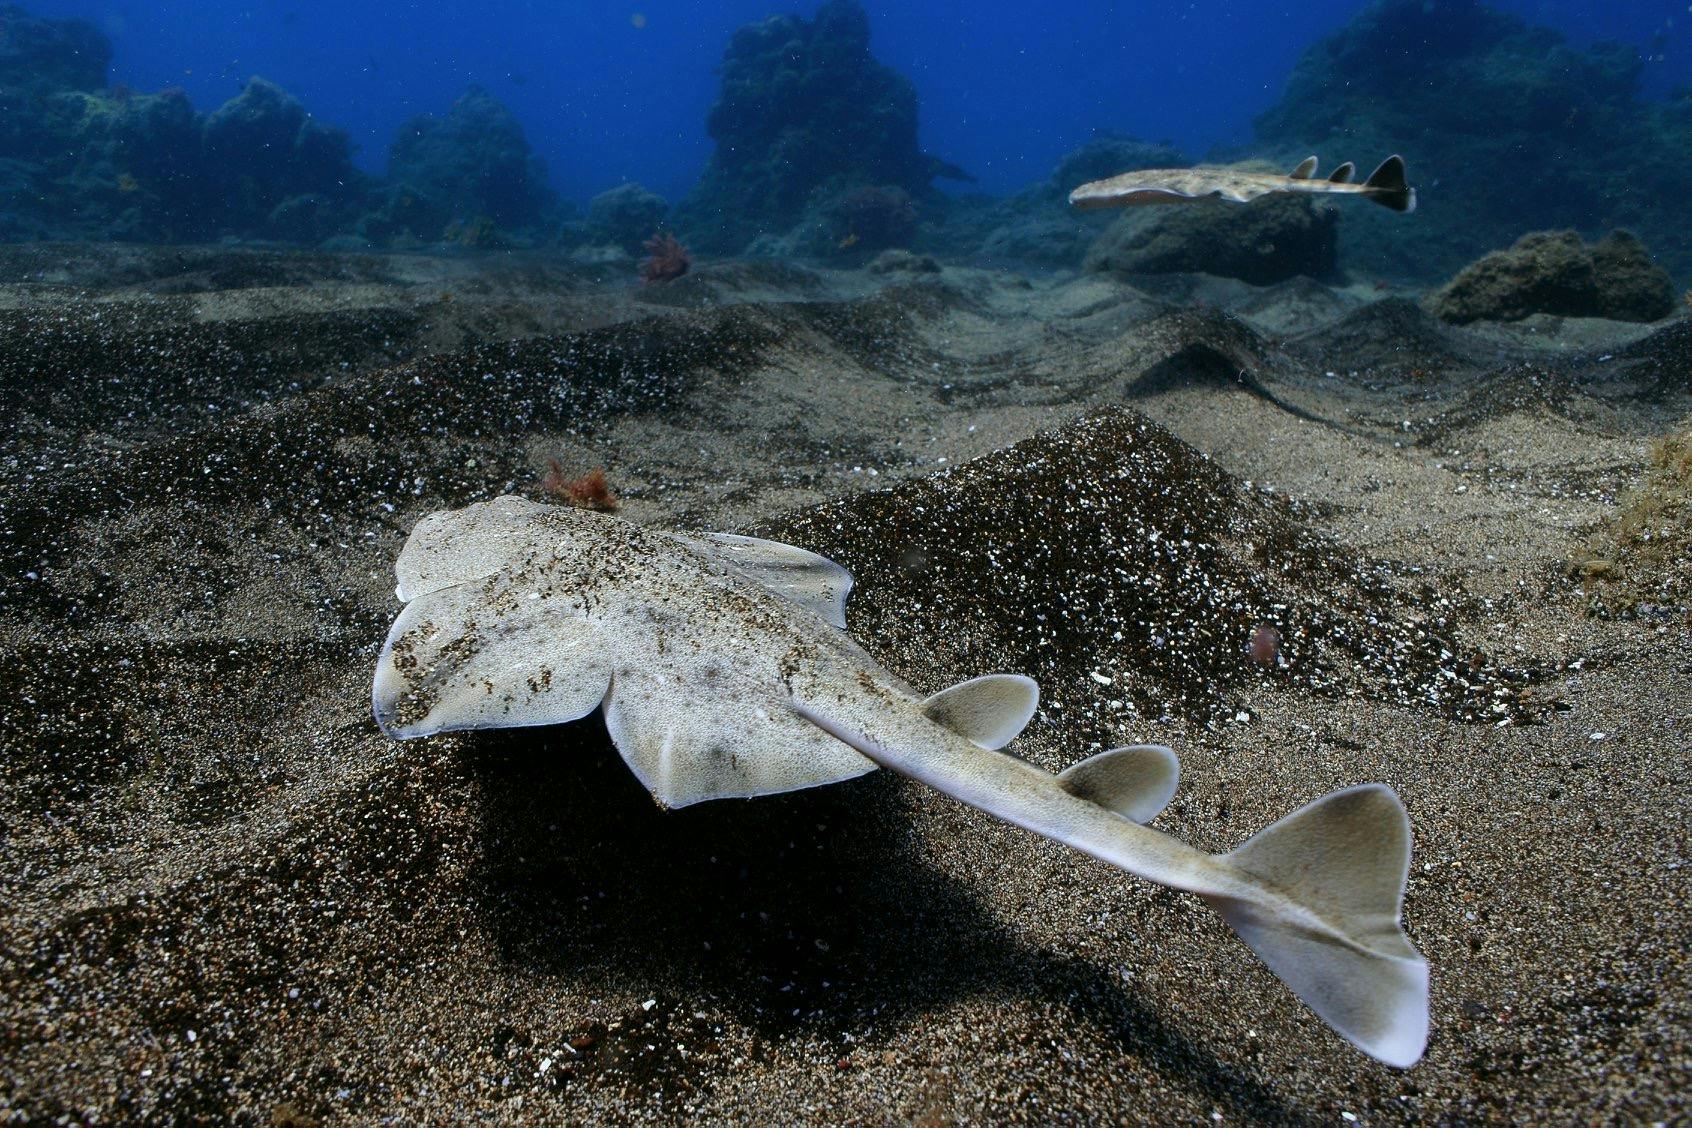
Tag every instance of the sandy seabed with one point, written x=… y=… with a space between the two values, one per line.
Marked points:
x=225 y=896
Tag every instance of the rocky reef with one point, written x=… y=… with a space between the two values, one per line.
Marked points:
x=1555 y=272
x=80 y=160
x=1564 y=140
x=624 y=217
x=805 y=117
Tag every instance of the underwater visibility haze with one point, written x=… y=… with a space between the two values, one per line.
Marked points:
x=484 y=491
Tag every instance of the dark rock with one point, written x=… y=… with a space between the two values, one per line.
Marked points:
x=308 y=219
x=803 y=107
x=625 y=216
x=872 y=217
x=40 y=57
x=1523 y=130
x=1265 y=241
x=1555 y=272
x=120 y=165
x=261 y=149
x=472 y=164
x=896 y=261
x=109 y=166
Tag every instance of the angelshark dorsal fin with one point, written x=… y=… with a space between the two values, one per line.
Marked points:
x=1305 y=170
x=1342 y=174
x=1136 y=782
x=989 y=710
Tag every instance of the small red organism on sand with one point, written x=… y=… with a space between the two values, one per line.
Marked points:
x=1265 y=645
x=666 y=259
x=586 y=491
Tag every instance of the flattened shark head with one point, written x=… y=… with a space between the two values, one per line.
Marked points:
x=523 y=614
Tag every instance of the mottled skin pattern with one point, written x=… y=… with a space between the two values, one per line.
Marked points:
x=532 y=615
x=724 y=671
x=1151 y=186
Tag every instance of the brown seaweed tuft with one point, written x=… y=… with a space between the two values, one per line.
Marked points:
x=585 y=491
x=666 y=259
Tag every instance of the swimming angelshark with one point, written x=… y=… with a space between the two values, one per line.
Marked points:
x=724 y=670
x=1385 y=186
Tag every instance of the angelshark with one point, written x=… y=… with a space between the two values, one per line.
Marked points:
x=724 y=669
x=1385 y=186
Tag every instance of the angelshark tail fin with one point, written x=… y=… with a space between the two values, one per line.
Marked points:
x=1341 y=862
x=1387 y=187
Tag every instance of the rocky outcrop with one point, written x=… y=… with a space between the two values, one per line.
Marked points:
x=1555 y=272
x=625 y=217
x=79 y=160
x=804 y=110
x=469 y=172
x=41 y=57
x=277 y=171
x=1268 y=240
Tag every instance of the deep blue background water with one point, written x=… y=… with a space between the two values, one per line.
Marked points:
x=611 y=90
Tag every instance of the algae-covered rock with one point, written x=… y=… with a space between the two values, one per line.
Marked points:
x=1506 y=129
x=261 y=149
x=1268 y=240
x=471 y=165
x=40 y=57
x=1556 y=272
x=85 y=162
x=803 y=107
x=625 y=216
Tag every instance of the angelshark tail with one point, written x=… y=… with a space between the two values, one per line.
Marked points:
x=1344 y=858
x=1386 y=186
x=1316 y=895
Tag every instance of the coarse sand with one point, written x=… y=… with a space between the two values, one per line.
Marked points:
x=226 y=897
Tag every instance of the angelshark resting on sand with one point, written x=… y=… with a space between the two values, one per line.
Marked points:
x=1385 y=186
x=724 y=669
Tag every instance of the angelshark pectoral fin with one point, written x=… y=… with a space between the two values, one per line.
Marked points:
x=689 y=738
x=447 y=667
x=812 y=581
x=456 y=546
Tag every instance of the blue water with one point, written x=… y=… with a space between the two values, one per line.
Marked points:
x=611 y=91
